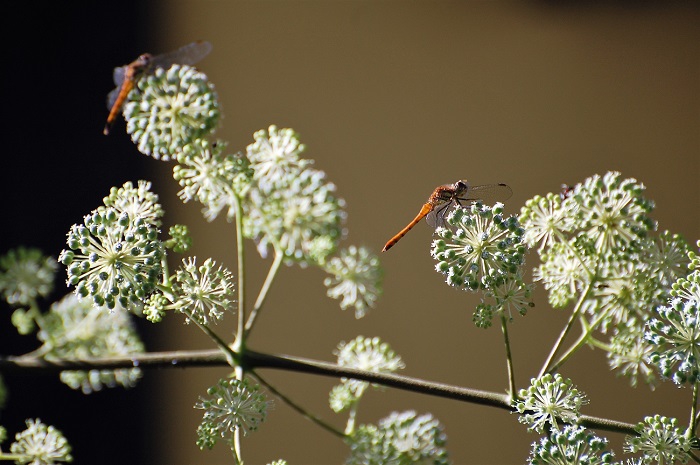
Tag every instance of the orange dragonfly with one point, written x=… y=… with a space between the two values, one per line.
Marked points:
x=125 y=77
x=445 y=198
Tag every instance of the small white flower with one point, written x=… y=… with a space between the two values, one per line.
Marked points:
x=26 y=274
x=401 y=439
x=231 y=405
x=40 y=444
x=204 y=292
x=545 y=219
x=660 y=440
x=357 y=278
x=548 y=401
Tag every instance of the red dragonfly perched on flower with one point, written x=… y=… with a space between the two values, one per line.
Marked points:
x=125 y=77
x=446 y=197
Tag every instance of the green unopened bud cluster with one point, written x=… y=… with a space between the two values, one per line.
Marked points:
x=171 y=109
x=113 y=258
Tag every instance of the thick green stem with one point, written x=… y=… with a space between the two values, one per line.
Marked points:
x=252 y=360
x=239 y=342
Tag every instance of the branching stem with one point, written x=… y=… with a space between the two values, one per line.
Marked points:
x=251 y=360
x=305 y=413
x=274 y=268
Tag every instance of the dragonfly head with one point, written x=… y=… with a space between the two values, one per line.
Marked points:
x=460 y=187
x=143 y=61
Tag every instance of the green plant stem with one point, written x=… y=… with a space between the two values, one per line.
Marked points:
x=695 y=458
x=509 y=359
x=274 y=268
x=237 y=449
x=583 y=339
x=230 y=354
x=693 y=410
x=305 y=413
x=569 y=324
x=239 y=342
x=352 y=416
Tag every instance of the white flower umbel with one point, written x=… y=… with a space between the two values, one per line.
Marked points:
x=40 y=444
x=675 y=335
x=356 y=278
x=113 y=258
x=25 y=275
x=369 y=354
x=660 y=440
x=170 y=109
x=631 y=354
x=546 y=220
x=231 y=404
x=613 y=212
x=303 y=220
x=74 y=328
x=548 y=401
x=399 y=439
x=211 y=176
x=572 y=445
x=137 y=202
x=479 y=249
x=275 y=156
x=203 y=292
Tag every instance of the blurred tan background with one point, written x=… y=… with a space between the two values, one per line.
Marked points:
x=393 y=98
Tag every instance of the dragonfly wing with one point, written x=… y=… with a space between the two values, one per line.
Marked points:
x=118 y=75
x=488 y=193
x=112 y=97
x=186 y=55
x=438 y=216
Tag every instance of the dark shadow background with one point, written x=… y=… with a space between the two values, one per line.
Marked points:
x=57 y=166
x=392 y=98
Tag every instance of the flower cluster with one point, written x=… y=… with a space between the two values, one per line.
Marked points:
x=356 y=278
x=232 y=404
x=572 y=444
x=40 y=444
x=291 y=206
x=136 y=202
x=25 y=275
x=283 y=202
x=171 y=109
x=402 y=439
x=480 y=250
x=595 y=247
x=675 y=335
x=369 y=354
x=73 y=328
x=211 y=176
x=113 y=258
x=549 y=400
x=203 y=292
x=660 y=440
x=630 y=353
x=180 y=240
